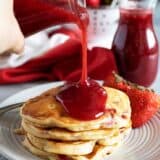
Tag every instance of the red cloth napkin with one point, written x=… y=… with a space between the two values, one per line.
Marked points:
x=62 y=63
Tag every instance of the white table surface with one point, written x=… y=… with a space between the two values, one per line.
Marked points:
x=8 y=90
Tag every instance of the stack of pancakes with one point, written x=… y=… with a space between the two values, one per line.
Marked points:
x=50 y=132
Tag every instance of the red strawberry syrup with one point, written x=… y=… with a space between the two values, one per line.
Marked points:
x=136 y=47
x=84 y=100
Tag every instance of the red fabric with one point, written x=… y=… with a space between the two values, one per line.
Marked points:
x=62 y=63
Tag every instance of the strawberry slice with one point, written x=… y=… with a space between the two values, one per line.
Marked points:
x=144 y=102
x=93 y=3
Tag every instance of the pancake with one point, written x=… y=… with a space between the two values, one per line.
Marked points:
x=98 y=153
x=74 y=148
x=27 y=144
x=66 y=135
x=108 y=137
x=62 y=147
x=115 y=138
x=46 y=112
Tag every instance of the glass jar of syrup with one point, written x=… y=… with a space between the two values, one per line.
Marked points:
x=36 y=15
x=135 y=44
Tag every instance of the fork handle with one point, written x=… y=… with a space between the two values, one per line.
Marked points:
x=10 y=107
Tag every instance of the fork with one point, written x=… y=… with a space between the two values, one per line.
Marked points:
x=10 y=107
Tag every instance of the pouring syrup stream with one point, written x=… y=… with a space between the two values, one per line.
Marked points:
x=84 y=100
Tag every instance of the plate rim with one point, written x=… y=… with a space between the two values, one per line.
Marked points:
x=7 y=100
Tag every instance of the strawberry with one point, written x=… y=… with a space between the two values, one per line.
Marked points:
x=144 y=102
x=93 y=3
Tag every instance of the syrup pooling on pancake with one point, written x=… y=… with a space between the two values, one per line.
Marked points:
x=45 y=112
x=84 y=101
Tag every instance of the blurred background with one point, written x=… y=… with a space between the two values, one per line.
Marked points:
x=157 y=20
x=103 y=24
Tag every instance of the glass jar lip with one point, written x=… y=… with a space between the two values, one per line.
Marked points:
x=135 y=8
x=136 y=11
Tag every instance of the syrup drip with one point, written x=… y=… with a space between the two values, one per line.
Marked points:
x=83 y=101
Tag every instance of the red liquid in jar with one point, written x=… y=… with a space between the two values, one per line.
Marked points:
x=136 y=47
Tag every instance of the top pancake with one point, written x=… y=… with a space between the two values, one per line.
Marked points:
x=46 y=112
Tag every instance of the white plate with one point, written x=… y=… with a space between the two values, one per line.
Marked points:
x=141 y=144
x=28 y=93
